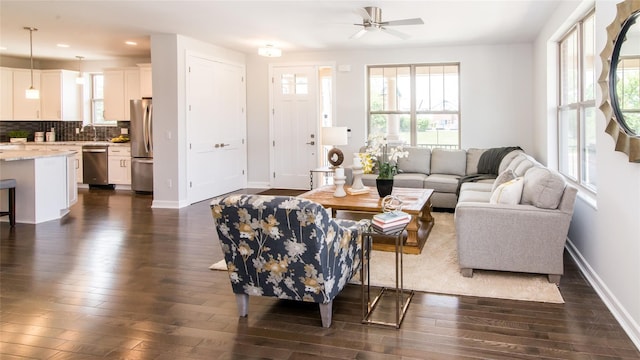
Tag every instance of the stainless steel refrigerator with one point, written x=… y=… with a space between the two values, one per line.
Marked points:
x=140 y=133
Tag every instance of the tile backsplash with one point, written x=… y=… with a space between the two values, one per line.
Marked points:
x=65 y=130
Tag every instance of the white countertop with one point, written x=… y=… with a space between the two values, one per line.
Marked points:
x=13 y=155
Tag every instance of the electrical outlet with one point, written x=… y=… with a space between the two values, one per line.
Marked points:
x=77 y=131
x=124 y=131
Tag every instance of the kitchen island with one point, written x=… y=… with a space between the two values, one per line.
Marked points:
x=47 y=184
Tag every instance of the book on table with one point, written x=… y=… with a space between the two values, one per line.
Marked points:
x=390 y=222
x=389 y=228
x=392 y=217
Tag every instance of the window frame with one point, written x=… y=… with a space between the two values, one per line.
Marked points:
x=413 y=112
x=94 y=100
x=581 y=106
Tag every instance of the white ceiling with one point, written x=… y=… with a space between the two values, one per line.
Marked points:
x=97 y=29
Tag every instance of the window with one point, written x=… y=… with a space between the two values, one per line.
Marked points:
x=415 y=104
x=97 y=101
x=576 y=110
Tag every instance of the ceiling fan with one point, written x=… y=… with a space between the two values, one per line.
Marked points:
x=372 y=20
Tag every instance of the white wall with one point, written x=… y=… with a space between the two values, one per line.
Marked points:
x=604 y=237
x=496 y=95
x=168 y=59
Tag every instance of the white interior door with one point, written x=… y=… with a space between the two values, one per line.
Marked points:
x=294 y=126
x=216 y=129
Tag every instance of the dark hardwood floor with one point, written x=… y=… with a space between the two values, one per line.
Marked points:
x=116 y=279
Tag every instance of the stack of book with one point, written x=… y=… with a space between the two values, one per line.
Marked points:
x=390 y=222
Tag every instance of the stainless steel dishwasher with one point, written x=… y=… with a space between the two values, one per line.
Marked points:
x=95 y=164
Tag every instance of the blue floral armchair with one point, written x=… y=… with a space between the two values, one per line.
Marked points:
x=286 y=247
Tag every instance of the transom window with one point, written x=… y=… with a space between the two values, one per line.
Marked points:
x=418 y=105
x=576 y=110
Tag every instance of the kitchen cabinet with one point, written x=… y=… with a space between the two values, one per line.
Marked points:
x=72 y=181
x=75 y=161
x=6 y=89
x=60 y=95
x=119 y=165
x=120 y=86
x=146 y=84
x=23 y=108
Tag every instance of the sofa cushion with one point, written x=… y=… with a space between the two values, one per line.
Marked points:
x=521 y=163
x=504 y=176
x=509 y=192
x=452 y=162
x=443 y=183
x=418 y=160
x=543 y=188
x=473 y=157
x=477 y=186
x=410 y=180
x=474 y=196
x=506 y=160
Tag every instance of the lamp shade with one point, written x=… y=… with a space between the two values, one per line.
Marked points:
x=334 y=136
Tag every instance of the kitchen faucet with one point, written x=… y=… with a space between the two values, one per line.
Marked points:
x=95 y=132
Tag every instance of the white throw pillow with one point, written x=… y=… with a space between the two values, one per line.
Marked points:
x=508 y=193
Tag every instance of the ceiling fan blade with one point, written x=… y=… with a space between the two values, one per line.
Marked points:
x=395 y=33
x=359 y=34
x=364 y=14
x=415 y=21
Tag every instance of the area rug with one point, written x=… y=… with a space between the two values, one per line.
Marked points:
x=436 y=270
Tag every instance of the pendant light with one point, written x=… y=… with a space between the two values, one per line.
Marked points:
x=80 y=78
x=31 y=93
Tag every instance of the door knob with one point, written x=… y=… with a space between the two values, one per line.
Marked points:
x=311 y=143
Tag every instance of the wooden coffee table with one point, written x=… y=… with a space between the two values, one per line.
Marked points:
x=416 y=202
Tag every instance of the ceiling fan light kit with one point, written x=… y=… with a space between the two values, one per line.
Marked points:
x=269 y=51
x=372 y=20
x=31 y=92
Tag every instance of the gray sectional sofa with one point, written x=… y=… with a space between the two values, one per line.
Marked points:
x=522 y=234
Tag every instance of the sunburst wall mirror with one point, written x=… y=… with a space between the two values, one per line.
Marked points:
x=620 y=79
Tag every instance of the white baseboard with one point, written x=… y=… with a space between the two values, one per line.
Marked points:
x=258 y=185
x=163 y=204
x=628 y=324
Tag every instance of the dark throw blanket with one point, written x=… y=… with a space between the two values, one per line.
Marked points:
x=488 y=165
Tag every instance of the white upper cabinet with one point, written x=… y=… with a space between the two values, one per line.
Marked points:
x=60 y=96
x=146 y=88
x=113 y=94
x=6 y=89
x=23 y=108
x=120 y=86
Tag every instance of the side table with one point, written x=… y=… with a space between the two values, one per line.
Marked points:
x=323 y=170
x=402 y=296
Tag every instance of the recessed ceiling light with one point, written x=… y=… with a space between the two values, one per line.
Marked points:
x=132 y=43
x=62 y=45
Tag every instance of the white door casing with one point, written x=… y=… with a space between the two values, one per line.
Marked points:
x=216 y=127
x=294 y=126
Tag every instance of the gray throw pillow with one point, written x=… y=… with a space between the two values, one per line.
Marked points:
x=543 y=188
x=504 y=176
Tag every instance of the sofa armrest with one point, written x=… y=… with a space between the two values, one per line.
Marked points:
x=520 y=238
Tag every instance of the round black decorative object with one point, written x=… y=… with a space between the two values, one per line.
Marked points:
x=384 y=186
x=335 y=157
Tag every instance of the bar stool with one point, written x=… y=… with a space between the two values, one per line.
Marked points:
x=10 y=184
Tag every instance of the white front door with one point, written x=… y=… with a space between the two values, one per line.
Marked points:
x=294 y=126
x=216 y=129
